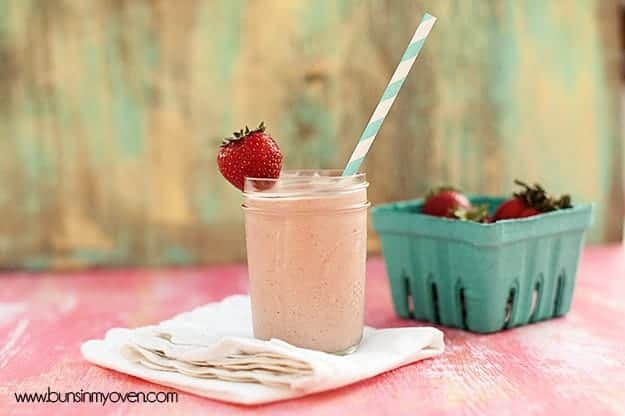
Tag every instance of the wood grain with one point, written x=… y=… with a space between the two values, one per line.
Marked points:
x=110 y=113
x=568 y=366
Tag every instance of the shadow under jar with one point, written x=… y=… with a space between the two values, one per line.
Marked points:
x=306 y=235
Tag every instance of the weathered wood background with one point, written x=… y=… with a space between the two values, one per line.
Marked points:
x=110 y=112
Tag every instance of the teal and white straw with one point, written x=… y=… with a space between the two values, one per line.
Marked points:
x=390 y=93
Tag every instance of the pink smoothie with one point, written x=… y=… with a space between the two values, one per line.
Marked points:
x=306 y=251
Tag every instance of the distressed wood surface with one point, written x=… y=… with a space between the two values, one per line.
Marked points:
x=110 y=112
x=569 y=366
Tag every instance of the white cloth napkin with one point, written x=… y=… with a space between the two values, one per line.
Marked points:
x=211 y=352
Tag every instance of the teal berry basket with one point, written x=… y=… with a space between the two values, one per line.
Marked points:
x=481 y=277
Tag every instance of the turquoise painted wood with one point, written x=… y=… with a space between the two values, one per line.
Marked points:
x=111 y=113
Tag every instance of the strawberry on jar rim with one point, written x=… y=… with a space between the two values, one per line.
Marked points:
x=249 y=154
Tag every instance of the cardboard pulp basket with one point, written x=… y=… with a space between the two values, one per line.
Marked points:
x=481 y=277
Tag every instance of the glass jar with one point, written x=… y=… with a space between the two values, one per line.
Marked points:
x=306 y=236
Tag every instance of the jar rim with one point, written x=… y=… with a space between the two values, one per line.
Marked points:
x=304 y=182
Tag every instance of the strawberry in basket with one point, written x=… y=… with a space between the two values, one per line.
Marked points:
x=451 y=203
x=532 y=200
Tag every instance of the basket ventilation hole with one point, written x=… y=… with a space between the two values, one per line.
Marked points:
x=559 y=292
x=410 y=303
x=509 y=305
x=463 y=310
x=437 y=316
x=535 y=297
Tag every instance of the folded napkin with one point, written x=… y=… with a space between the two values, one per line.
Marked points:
x=211 y=352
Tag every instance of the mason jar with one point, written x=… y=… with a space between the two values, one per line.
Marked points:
x=306 y=236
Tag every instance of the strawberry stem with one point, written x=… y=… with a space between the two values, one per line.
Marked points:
x=537 y=197
x=243 y=133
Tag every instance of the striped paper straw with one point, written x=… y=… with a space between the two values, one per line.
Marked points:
x=390 y=93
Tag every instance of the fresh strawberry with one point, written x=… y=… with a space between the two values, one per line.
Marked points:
x=249 y=154
x=529 y=212
x=533 y=200
x=444 y=202
x=511 y=208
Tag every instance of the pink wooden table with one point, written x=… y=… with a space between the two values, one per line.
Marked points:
x=573 y=365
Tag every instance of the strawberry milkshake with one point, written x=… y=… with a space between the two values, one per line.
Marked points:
x=306 y=236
